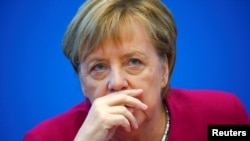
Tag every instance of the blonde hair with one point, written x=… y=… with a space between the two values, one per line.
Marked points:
x=97 y=19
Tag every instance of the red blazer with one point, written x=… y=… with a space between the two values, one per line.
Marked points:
x=191 y=111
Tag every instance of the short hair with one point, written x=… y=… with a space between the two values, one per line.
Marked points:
x=95 y=20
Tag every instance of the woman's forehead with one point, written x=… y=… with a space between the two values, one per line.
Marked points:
x=129 y=41
x=126 y=30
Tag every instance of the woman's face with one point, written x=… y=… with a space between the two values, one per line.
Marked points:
x=133 y=64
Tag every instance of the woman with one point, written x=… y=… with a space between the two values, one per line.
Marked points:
x=124 y=54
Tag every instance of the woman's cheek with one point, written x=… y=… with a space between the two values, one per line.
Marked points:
x=94 y=91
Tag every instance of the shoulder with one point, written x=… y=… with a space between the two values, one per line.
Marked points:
x=198 y=96
x=206 y=103
x=191 y=111
x=61 y=127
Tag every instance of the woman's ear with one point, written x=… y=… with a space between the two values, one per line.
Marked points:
x=165 y=73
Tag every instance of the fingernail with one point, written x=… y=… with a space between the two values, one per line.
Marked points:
x=136 y=126
x=145 y=106
x=140 y=90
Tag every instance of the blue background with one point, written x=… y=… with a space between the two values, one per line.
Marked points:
x=38 y=82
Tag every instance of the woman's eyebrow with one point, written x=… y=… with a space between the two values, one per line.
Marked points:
x=137 y=53
x=92 y=60
x=92 y=57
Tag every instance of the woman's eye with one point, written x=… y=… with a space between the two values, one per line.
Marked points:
x=99 y=67
x=99 y=71
x=134 y=62
x=135 y=66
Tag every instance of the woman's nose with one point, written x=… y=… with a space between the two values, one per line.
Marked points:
x=117 y=81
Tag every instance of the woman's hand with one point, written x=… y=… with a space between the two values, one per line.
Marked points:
x=109 y=112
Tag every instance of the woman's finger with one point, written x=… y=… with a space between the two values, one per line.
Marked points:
x=126 y=98
x=122 y=110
